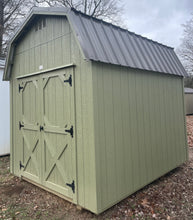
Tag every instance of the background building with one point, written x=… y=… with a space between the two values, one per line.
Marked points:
x=4 y=113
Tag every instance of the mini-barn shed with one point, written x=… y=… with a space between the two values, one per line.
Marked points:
x=4 y=113
x=188 y=100
x=97 y=111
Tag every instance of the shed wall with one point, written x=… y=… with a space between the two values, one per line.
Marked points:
x=51 y=47
x=139 y=129
x=189 y=103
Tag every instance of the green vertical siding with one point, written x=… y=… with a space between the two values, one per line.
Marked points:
x=54 y=46
x=49 y=47
x=86 y=177
x=139 y=129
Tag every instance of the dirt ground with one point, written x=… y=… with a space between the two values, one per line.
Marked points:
x=170 y=197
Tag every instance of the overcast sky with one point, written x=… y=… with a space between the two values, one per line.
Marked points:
x=159 y=20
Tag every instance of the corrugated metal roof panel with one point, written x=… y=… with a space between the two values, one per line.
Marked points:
x=107 y=43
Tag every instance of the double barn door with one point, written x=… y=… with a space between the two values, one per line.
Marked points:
x=46 y=128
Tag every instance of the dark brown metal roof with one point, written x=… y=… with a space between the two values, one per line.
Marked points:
x=104 y=42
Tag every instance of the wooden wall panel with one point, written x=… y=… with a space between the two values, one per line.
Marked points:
x=139 y=129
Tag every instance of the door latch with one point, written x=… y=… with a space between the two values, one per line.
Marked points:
x=72 y=186
x=70 y=131
x=69 y=80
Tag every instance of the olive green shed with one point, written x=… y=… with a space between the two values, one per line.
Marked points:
x=97 y=112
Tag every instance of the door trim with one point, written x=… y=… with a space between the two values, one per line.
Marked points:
x=47 y=189
x=40 y=76
x=46 y=71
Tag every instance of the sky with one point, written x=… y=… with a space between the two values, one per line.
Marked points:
x=159 y=20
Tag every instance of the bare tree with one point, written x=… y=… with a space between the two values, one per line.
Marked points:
x=11 y=12
x=1 y=27
x=109 y=10
x=185 y=50
x=188 y=82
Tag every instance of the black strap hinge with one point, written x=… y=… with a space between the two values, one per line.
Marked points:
x=20 y=87
x=70 y=131
x=21 y=165
x=20 y=125
x=69 y=80
x=71 y=185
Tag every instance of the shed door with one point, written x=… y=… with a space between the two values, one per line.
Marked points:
x=58 y=133
x=28 y=125
x=47 y=127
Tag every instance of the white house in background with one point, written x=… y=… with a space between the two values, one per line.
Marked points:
x=4 y=113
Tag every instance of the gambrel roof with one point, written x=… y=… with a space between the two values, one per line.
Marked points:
x=104 y=42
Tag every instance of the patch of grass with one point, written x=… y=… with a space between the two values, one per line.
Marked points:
x=38 y=214
x=11 y=212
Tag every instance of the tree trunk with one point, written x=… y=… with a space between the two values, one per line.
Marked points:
x=1 y=27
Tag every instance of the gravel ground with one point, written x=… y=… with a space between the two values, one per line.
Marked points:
x=170 y=197
x=189 y=123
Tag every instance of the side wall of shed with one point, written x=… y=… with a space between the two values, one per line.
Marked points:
x=139 y=129
x=50 y=47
